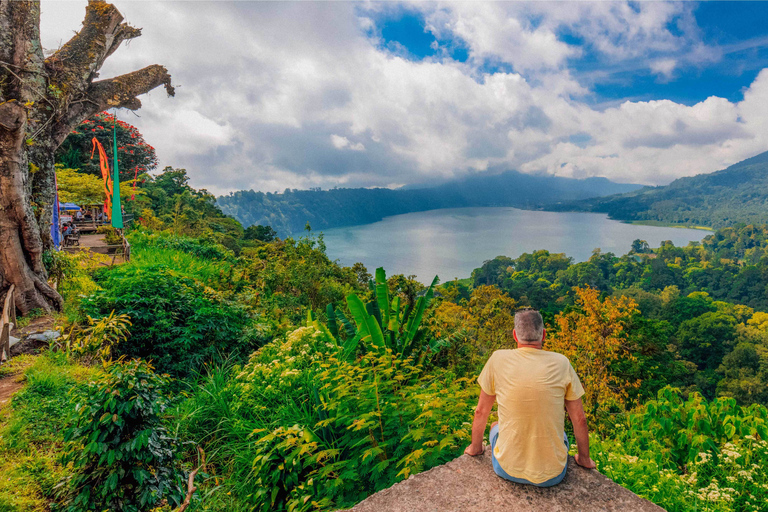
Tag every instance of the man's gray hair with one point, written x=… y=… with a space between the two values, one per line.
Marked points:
x=529 y=325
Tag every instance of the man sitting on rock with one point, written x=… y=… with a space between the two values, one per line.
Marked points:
x=533 y=387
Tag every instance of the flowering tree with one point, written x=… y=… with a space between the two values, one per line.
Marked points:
x=594 y=338
x=134 y=154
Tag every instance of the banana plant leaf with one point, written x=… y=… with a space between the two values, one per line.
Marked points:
x=357 y=308
x=329 y=312
x=372 y=308
x=348 y=327
x=421 y=305
x=377 y=337
x=350 y=347
x=382 y=296
x=317 y=324
x=394 y=315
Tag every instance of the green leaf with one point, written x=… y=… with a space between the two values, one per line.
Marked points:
x=329 y=312
x=348 y=327
x=350 y=347
x=382 y=296
x=394 y=313
x=377 y=337
x=357 y=308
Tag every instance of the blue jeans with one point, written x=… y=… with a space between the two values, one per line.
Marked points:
x=503 y=474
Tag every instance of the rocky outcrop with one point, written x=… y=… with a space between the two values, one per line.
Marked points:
x=468 y=484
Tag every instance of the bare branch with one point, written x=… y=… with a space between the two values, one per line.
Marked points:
x=77 y=62
x=191 y=483
x=119 y=92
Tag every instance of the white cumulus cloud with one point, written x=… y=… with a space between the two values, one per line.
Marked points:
x=294 y=95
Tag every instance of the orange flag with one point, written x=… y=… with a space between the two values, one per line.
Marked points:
x=104 y=164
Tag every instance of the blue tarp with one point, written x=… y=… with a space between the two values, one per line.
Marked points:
x=68 y=206
x=55 y=231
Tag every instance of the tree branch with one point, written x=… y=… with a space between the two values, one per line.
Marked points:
x=191 y=483
x=77 y=62
x=118 y=92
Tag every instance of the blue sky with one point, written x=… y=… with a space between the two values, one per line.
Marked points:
x=275 y=95
x=737 y=29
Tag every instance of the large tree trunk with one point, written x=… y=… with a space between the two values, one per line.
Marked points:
x=41 y=102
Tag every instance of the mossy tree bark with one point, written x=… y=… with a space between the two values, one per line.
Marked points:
x=41 y=101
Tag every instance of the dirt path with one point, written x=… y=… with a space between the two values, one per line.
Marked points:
x=12 y=383
x=8 y=386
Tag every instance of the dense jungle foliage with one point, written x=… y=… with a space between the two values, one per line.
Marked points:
x=288 y=212
x=284 y=382
x=719 y=199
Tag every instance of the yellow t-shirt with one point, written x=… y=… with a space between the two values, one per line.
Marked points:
x=530 y=387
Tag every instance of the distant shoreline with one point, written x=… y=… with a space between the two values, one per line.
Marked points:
x=661 y=224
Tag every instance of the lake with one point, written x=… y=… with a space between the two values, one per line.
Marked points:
x=452 y=242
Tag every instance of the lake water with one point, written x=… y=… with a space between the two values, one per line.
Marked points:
x=452 y=242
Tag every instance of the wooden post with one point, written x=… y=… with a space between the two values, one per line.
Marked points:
x=7 y=321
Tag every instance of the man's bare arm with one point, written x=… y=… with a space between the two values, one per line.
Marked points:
x=576 y=412
x=482 y=411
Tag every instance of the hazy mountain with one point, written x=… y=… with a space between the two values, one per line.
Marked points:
x=738 y=194
x=290 y=211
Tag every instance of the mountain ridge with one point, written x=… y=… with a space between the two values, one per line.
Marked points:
x=290 y=211
x=736 y=194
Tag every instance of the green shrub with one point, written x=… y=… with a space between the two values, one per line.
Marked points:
x=285 y=464
x=177 y=323
x=111 y=236
x=381 y=324
x=31 y=431
x=298 y=428
x=293 y=276
x=122 y=457
x=193 y=246
x=72 y=272
x=97 y=340
x=690 y=454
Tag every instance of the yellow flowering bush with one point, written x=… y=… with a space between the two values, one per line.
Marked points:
x=329 y=430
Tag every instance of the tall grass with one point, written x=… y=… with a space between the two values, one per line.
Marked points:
x=207 y=419
x=31 y=429
x=210 y=272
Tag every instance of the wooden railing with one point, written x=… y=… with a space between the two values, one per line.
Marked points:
x=126 y=248
x=7 y=321
x=123 y=248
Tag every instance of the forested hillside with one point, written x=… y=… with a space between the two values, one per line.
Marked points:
x=290 y=211
x=723 y=198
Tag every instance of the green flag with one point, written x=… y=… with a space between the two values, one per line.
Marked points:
x=117 y=211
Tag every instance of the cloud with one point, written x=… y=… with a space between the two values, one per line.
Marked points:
x=340 y=142
x=664 y=67
x=296 y=95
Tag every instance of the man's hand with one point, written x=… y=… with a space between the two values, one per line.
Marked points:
x=474 y=450
x=584 y=462
x=482 y=411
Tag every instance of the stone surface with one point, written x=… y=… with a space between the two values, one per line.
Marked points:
x=468 y=484
x=45 y=336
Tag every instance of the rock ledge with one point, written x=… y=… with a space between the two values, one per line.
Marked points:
x=468 y=484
